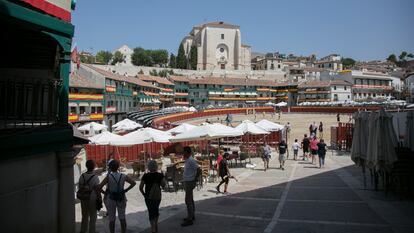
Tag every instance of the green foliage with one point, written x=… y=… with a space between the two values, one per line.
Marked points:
x=392 y=58
x=403 y=56
x=103 y=57
x=87 y=59
x=143 y=57
x=348 y=62
x=118 y=58
x=181 y=58
x=173 y=61
x=141 y=72
x=193 y=57
x=153 y=72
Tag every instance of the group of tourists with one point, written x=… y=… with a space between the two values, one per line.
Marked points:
x=114 y=198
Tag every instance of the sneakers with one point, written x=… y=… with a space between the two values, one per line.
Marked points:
x=218 y=189
x=185 y=219
x=187 y=223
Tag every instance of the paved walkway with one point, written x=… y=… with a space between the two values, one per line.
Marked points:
x=302 y=198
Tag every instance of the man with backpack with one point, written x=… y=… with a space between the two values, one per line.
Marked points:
x=282 y=148
x=115 y=182
x=88 y=194
x=191 y=169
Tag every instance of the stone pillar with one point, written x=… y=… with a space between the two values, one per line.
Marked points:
x=66 y=192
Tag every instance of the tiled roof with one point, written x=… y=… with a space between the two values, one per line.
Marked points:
x=237 y=82
x=75 y=80
x=179 y=78
x=155 y=79
x=314 y=84
x=340 y=82
x=121 y=78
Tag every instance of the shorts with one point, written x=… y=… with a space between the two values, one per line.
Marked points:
x=282 y=158
x=112 y=206
x=305 y=150
x=295 y=152
x=314 y=152
x=153 y=207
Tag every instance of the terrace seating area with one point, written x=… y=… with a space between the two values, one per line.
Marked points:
x=146 y=117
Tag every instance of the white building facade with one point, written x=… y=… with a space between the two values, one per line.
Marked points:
x=219 y=47
x=127 y=52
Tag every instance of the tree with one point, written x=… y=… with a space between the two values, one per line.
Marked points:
x=159 y=57
x=392 y=58
x=118 y=58
x=181 y=58
x=141 y=57
x=88 y=59
x=410 y=55
x=141 y=72
x=172 y=63
x=153 y=72
x=193 y=57
x=403 y=56
x=103 y=57
x=348 y=62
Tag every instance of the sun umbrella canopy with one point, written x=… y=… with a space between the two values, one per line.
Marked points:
x=104 y=138
x=141 y=136
x=382 y=141
x=360 y=138
x=248 y=127
x=207 y=132
x=409 y=131
x=269 y=126
x=126 y=125
x=181 y=128
x=93 y=126
x=281 y=104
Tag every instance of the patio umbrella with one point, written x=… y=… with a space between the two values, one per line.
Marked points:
x=142 y=136
x=184 y=127
x=207 y=132
x=382 y=141
x=126 y=125
x=248 y=127
x=93 y=126
x=104 y=138
x=409 y=131
x=281 y=104
x=360 y=141
x=269 y=126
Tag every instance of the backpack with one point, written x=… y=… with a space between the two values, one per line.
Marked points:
x=118 y=195
x=155 y=192
x=223 y=168
x=84 y=191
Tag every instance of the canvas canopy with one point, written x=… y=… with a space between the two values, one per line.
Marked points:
x=104 y=138
x=181 y=128
x=93 y=126
x=269 y=126
x=248 y=127
x=207 y=132
x=142 y=136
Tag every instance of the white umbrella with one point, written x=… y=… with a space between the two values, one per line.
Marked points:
x=410 y=106
x=269 y=126
x=382 y=141
x=409 y=131
x=360 y=140
x=248 y=127
x=192 y=109
x=207 y=132
x=281 y=104
x=126 y=125
x=92 y=126
x=184 y=127
x=141 y=136
x=104 y=138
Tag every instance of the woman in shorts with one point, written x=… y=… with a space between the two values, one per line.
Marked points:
x=314 y=148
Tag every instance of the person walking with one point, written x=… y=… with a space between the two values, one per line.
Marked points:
x=189 y=183
x=295 y=148
x=219 y=158
x=224 y=174
x=338 y=117
x=314 y=148
x=321 y=153
x=320 y=128
x=88 y=193
x=115 y=182
x=267 y=152
x=305 y=147
x=150 y=187
x=282 y=147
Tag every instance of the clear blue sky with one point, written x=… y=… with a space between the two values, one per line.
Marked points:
x=361 y=29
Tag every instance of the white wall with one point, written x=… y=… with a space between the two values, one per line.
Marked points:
x=343 y=95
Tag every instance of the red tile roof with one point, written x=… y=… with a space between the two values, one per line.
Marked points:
x=76 y=80
x=157 y=79
x=236 y=81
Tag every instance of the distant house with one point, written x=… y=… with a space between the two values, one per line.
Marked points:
x=127 y=52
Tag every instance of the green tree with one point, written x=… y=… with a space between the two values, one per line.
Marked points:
x=181 y=58
x=86 y=59
x=159 y=57
x=193 y=57
x=348 y=62
x=172 y=63
x=118 y=58
x=403 y=56
x=153 y=72
x=410 y=55
x=103 y=57
x=141 y=57
x=392 y=58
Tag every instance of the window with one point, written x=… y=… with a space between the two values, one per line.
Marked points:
x=222 y=36
x=222 y=66
x=221 y=50
x=72 y=110
x=334 y=87
x=345 y=90
x=278 y=66
x=93 y=109
x=82 y=110
x=349 y=97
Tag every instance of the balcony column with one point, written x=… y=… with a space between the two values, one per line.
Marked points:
x=66 y=192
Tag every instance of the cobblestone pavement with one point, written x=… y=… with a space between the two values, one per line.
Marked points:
x=302 y=198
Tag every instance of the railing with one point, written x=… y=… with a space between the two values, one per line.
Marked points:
x=28 y=102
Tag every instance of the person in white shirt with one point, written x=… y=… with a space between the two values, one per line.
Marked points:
x=295 y=148
x=189 y=181
x=88 y=183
